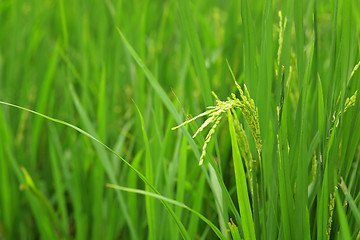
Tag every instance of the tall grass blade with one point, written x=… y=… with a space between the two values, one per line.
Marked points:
x=344 y=225
x=150 y=207
x=241 y=185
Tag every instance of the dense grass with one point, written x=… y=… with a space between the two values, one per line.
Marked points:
x=121 y=74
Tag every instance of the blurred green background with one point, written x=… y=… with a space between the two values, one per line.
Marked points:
x=67 y=60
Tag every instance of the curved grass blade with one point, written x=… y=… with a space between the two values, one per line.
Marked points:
x=104 y=159
x=146 y=181
x=171 y=201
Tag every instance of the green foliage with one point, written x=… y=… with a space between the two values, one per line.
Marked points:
x=124 y=73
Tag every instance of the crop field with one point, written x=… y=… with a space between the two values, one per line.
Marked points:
x=179 y=119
